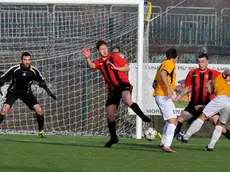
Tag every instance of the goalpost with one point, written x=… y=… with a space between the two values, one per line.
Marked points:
x=41 y=32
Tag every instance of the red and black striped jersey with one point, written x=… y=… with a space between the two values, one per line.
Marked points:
x=197 y=79
x=113 y=78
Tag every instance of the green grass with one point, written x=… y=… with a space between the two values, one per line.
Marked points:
x=181 y=104
x=22 y=153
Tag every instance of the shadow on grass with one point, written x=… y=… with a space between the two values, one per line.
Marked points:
x=154 y=145
x=124 y=146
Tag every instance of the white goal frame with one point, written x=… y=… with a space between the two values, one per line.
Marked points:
x=140 y=49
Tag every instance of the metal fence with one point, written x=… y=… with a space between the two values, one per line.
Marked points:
x=191 y=26
x=180 y=25
x=186 y=25
x=225 y=27
x=22 y=26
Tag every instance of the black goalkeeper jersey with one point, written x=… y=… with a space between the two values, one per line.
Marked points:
x=22 y=78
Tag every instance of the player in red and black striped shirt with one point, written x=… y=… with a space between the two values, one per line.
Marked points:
x=113 y=68
x=195 y=82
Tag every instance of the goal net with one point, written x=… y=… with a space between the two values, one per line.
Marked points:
x=55 y=35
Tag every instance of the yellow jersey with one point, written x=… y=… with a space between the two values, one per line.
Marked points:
x=221 y=86
x=169 y=67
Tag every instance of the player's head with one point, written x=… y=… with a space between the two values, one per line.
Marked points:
x=116 y=49
x=26 y=59
x=102 y=47
x=226 y=75
x=171 y=54
x=202 y=61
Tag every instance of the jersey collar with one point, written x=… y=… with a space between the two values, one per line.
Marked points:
x=24 y=68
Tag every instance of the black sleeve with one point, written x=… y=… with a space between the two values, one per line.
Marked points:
x=40 y=79
x=7 y=75
x=41 y=82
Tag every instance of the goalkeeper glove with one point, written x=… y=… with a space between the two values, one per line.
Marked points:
x=51 y=94
x=44 y=86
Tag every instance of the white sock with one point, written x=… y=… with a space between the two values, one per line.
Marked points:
x=169 y=135
x=215 y=136
x=195 y=127
x=164 y=133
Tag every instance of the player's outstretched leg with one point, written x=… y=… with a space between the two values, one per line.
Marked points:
x=185 y=116
x=178 y=128
x=195 y=127
x=139 y=112
x=126 y=97
x=112 y=131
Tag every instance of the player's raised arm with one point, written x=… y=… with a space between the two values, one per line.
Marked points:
x=187 y=88
x=42 y=83
x=86 y=53
x=185 y=91
x=119 y=63
x=210 y=87
x=124 y=68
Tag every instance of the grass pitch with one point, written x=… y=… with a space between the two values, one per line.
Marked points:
x=28 y=153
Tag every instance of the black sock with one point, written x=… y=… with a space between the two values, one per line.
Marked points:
x=178 y=128
x=227 y=134
x=112 y=129
x=40 y=119
x=1 y=118
x=137 y=110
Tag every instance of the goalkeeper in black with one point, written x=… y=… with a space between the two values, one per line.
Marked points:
x=22 y=76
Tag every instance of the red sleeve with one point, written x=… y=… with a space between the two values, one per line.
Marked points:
x=96 y=62
x=119 y=60
x=215 y=73
x=188 y=80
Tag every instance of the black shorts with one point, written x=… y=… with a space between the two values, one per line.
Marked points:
x=28 y=98
x=191 y=109
x=114 y=96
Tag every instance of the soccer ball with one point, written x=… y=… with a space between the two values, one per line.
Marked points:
x=150 y=134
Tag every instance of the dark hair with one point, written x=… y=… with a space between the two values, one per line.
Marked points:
x=171 y=53
x=203 y=55
x=25 y=54
x=100 y=43
x=116 y=47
